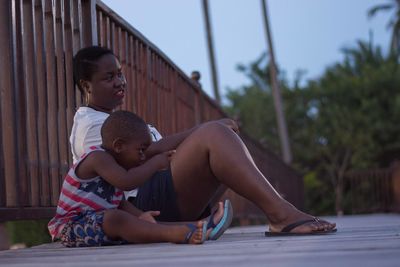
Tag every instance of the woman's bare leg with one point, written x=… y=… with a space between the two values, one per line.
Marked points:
x=215 y=155
x=123 y=225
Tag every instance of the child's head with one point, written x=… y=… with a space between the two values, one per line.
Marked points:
x=98 y=75
x=126 y=136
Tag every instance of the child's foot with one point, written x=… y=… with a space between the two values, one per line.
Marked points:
x=196 y=234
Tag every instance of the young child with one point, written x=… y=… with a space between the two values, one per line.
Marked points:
x=91 y=210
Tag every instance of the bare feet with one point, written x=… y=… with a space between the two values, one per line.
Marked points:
x=196 y=233
x=290 y=215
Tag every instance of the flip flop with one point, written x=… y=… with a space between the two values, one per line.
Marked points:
x=223 y=224
x=193 y=229
x=286 y=231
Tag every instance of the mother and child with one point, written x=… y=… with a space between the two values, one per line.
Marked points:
x=173 y=184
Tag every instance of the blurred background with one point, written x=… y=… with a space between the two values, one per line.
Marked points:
x=315 y=81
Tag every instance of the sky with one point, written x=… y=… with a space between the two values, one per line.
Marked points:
x=308 y=35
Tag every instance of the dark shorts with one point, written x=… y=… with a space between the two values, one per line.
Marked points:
x=158 y=193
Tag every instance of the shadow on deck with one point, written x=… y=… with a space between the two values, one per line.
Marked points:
x=364 y=240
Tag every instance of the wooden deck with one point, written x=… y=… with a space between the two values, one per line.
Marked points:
x=367 y=240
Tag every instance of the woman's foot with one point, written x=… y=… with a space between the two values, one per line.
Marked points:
x=307 y=224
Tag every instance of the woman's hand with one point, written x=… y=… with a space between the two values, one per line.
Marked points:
x=230 y=124
x=149 y=216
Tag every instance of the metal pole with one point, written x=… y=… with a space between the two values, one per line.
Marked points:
x=282 y=129
x=211 y=51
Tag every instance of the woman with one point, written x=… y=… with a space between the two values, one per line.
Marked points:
x=208 y=157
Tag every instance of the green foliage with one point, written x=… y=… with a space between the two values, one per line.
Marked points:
x=343 y=120
x=31 y=233
x=393 y=24
x=319 y=199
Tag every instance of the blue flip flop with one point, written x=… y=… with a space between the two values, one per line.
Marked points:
x=193 y=229
x=223 y=224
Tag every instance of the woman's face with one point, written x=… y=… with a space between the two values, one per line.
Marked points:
x=106 y=90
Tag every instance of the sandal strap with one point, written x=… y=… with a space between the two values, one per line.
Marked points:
x=190 y=233
x=290 y=227
x=211 y=223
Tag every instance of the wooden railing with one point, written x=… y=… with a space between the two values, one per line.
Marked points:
x=38 y=39
x=369 y=191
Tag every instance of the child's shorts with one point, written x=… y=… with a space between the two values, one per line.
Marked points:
x=86 y=230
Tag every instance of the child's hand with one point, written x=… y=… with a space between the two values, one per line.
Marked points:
x=149 y=216
x=164 y=159
x=169 y=154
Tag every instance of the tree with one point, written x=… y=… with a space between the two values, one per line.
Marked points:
x=342 y=121
x=276 y=92
x=393 y=24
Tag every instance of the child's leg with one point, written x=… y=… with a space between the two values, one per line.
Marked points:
x=118 y=224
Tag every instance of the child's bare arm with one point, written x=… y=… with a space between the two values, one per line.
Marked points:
x=104 y=165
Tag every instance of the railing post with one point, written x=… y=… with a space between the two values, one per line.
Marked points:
x=396 y=186
x=8 y=110
x=89 y=22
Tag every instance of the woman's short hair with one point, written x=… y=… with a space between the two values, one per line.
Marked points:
x=85 y=63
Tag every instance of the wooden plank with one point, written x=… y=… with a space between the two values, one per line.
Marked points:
x=70 y=87
x=108 y=32
x=2 y=175
x=69 y=81
x=133 y=75
x=89 y=21
x=62 y=91
x=142 y=85
x=29 y=66
x=100 y=28
x=18 y=86
x=8 y=130
x=43 y=146
x=77 y=24
x=174 y=115
x=127 y=71
x=78 y=39
x=52 y=100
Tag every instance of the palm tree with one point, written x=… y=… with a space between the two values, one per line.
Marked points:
x=210 y=44
x=393 y=24
x=276 y=92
